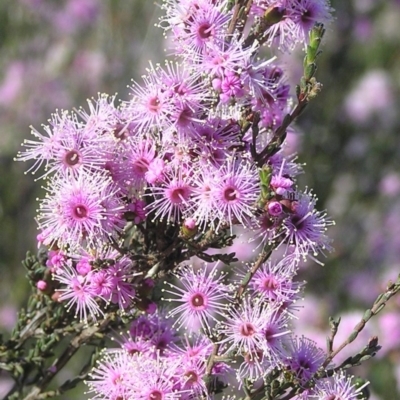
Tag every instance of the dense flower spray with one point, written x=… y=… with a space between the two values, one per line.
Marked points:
x=138 y=193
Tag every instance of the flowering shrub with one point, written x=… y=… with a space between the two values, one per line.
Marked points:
x=137 y=194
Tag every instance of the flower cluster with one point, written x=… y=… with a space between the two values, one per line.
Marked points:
x=165 y=355
x=193 y=154
x=288 y=22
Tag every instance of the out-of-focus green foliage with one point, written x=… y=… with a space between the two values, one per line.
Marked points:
x=350 y=143
x=55 y=55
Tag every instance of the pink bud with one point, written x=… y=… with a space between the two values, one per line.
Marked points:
x=275 y=208
x=83 y=267
x=216 y=84
x=190 y=223
x=281 y=191
x=41 y=285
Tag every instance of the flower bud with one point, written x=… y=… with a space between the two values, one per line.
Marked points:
x=216 y=84
x=56 y=296
x=189 y=228
x=275 y=208
x=41 y=285
x=83 y=267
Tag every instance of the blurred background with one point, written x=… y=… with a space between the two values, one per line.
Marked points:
x=56 y=54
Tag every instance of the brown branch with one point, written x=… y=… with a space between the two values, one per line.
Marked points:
x=240 y=13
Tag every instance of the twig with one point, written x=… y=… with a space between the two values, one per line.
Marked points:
x=263 y=256
x=72 y=348
x=240 y=12
x=378 y=305
x=280 y=134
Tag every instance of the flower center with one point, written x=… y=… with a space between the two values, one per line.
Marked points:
x=184 y=117
x=198 y=300
x=269 y=284
x=180 y=89
x=305 y=364
x=120 y=132
x=230 y=194
x=192 y=377
x=307 y=15
x=298 y=222
x=141 y=166
x=254 y=356
x=154 y=104
x=205 y=31
x=269 y=335
x=247 y=329
x=116 y=379
x=161 y=344
x=155 y=395
x=72 y=158
x=80 y=211
x=178 y=195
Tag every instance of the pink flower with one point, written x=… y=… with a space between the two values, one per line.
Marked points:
x=172 y=197
x=111 y=377
x=79 y=210
x=339 y=386
x=200 y=296
x=274 y=282
x=372 y=95
x=235 y=191
x=243 y=328
x=78 y=293
x=306 y=227
x=304 y=358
